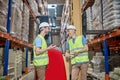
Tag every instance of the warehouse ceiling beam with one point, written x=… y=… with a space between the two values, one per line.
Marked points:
x=105 y=36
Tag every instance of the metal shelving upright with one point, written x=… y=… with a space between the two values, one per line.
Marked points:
x=103 y=38
x=7 y=41
x=14 y=41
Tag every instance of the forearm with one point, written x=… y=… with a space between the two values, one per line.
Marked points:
x=41 y=51
x=85 y=49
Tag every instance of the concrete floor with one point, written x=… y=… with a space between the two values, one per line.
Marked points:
x=29 y=76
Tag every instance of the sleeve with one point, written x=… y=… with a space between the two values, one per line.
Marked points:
x=84 y=41
x=38 y=42
x=67 y=46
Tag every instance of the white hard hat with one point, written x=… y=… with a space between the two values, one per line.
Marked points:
x=43 y=24
x=71 y=27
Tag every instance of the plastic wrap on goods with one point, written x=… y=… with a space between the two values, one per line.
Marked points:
x=89 y=19
x=25 y=23
x=97 y=25
x=96 y=16
x=32 y=31
x=18 y=3
x=111 y=7
x=34 y=6
x=3 y=12
x=112 y=24
x=90 y=37
x=115 y=14
x=111 y=14
x=16 y=21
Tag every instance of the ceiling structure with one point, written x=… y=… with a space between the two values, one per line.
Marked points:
x=55 y=10
x=56 y=1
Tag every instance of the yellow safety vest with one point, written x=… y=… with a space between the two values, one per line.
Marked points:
x=42 y=59
x=81 y=57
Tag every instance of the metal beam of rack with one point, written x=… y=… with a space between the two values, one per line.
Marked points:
x=15 y=40
x=87 y=4
x=105 y=36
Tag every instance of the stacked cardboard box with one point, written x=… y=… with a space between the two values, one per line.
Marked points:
x=25 y=23
x=94 y=18
x=111 y=14
x=32 y=23
x=98 y=63
x=18 y=64
x=3 y=13
x=90 y=37
x=16 y=18
x=42 y=7
x=32 y=30
x=15 y=64
x=115 y=74
x=96 y=15
x=1 y=61
x=11 y=64
x=24 y=60
x=89 y=18
x=89 y=22
x=34 y=6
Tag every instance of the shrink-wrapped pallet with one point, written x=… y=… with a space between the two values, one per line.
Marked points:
x=1 y=61
x=16 y=18
x=3 y=13
x=89 y=18
x=96 y=16
x=25 y=23
x=16 y=22
x=34 y=6
x=111 y=14
x=32 y=31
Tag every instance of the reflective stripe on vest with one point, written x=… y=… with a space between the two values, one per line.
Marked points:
x=41 y=59
x=82 y=57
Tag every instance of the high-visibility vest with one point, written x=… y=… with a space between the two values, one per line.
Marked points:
x=41 y=59
x=77 y=45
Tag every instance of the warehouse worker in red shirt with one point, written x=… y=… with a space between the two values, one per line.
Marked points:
x=78 y=49
x=41 y=51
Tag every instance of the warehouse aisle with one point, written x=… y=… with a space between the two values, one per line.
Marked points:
x=97 y=20
x=29 y=76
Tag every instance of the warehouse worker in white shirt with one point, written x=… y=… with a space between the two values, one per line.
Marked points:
x=78 y=49
x=41 y=51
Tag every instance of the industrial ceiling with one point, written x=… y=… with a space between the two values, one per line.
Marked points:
x=56 y=1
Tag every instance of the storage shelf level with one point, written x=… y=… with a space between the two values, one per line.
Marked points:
x=106 y=36
x=15 y=40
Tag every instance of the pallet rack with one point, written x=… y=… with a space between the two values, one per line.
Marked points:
x=87 y=4
x=14 y=40
x=104 y=39
x=7 y=40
